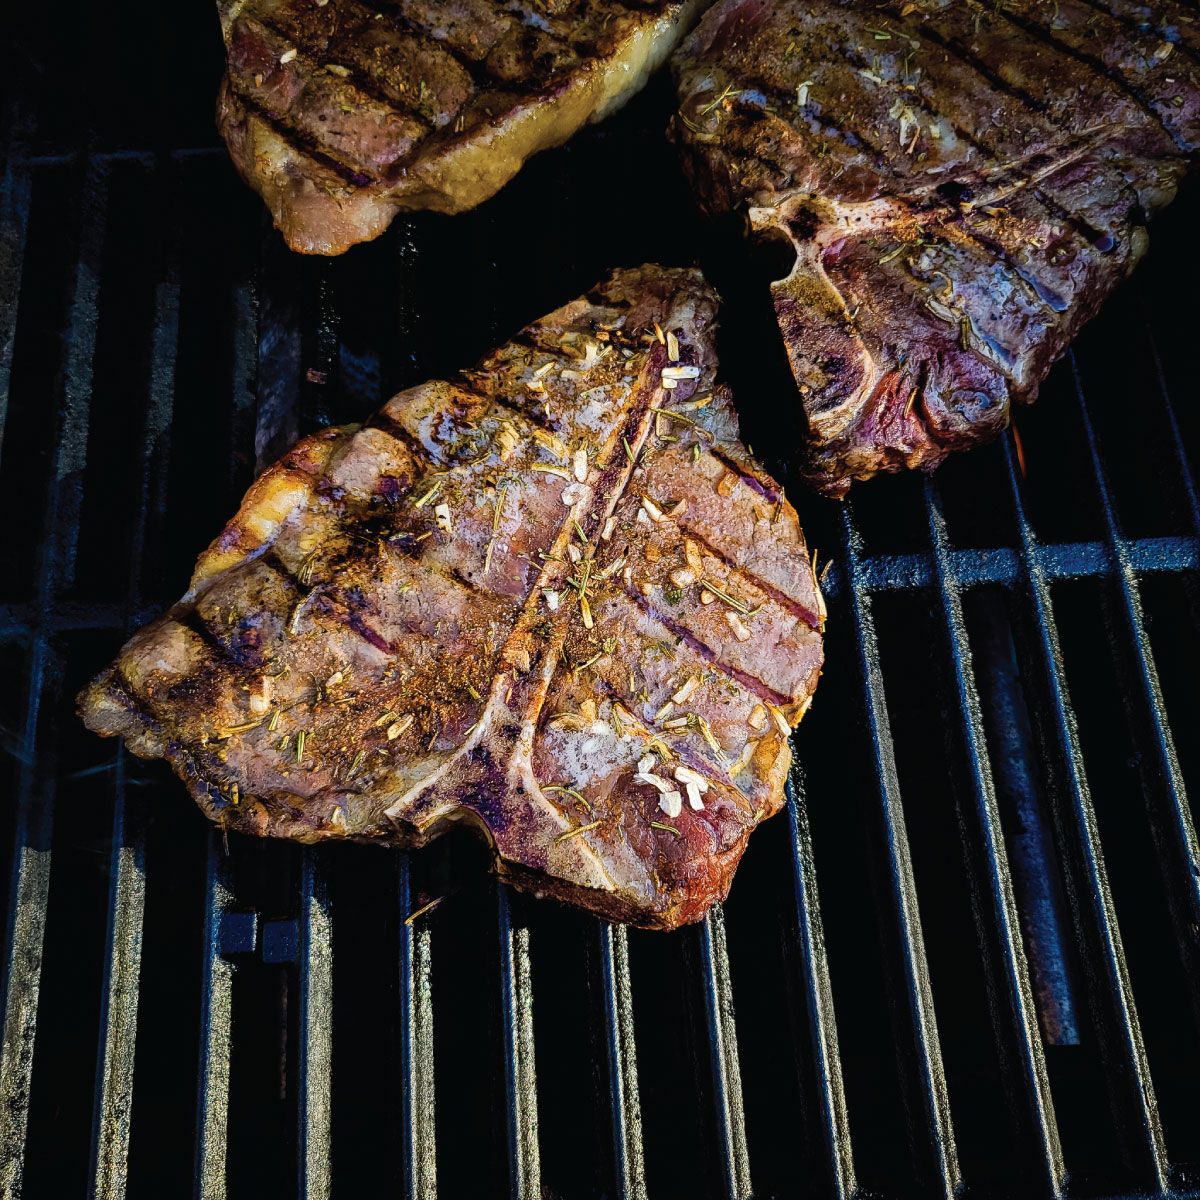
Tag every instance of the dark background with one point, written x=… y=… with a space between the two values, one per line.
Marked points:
x=160 y=331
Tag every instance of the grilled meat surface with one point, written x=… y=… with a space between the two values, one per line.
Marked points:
x=554 y=599
x=963 y=184
x=340 y=114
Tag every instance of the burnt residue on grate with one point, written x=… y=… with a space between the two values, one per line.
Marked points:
x=965 y=957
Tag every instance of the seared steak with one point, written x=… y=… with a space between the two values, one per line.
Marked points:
x=963 y=184
x=554 y=599
x=340 y=113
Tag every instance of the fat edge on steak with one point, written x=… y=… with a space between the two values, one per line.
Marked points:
x=341 y=114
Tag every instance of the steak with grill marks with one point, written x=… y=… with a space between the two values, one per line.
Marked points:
x=962 y=184
x=340 y=114
x=554 y=599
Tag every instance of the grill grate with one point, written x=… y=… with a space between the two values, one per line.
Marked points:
x=998 y=822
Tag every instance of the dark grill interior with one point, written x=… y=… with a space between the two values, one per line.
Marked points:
x=998 y=990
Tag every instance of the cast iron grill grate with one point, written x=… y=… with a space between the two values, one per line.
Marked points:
x=997 y=993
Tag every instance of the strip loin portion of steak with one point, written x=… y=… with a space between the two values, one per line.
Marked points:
x=340 y=114
x=554 y=599
x=963 y=185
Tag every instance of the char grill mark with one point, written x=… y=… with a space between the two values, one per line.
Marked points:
x=354 y=661
x=341 y=115
x=780 y=597
x=1015 y=155
x=760 y=688
x=1103 y=70
x=317 y=57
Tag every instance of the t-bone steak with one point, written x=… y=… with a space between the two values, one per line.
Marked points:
x=340 y=114
x=554 y=599
x=963 y=184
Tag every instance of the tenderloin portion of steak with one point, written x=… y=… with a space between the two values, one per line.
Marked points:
x=339 y=113
x=554 y=599
x=963 y=184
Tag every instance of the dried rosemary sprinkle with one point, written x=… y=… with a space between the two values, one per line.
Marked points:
x=670 y=412
x=562 y=787
x=306 y=568
x=420 y=912
x=710 y=738
x=301 y=738
x=666 y=828
x=730 y=91
x=628 y=452
x=231 y=729
x=499 y=507
x=429 y=495
x=570 y=833
x=720 y=595
x=298 y=612
x=274 y=724
x=579 y=530
x=354 y=765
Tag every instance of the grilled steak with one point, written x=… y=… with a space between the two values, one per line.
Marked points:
x=963 y=185
x=339 y=114
x=554 y=599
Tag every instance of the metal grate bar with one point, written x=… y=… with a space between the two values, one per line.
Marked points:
x=516 y=1019
x=1171 y=823
x=622 y=1062
x=937 y=1156
x=83 y=318
x=822 y=1024
x=29 y=889
x=418 y=1151
x=1003 y=566
x=1183 y=468
x=315 y=1068
x=146 y=158
x=216 y=1022
x=29 y=883
x=1007 y=968
x=16 y=189
x=157 y=431
x=722 y=1040
x=119 y=1001
x=127 y=893
x=1129 y=1074
x=277 y=347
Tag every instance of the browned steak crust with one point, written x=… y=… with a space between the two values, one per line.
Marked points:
x=554 y=599
x=340 y=113
x=963 y=184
